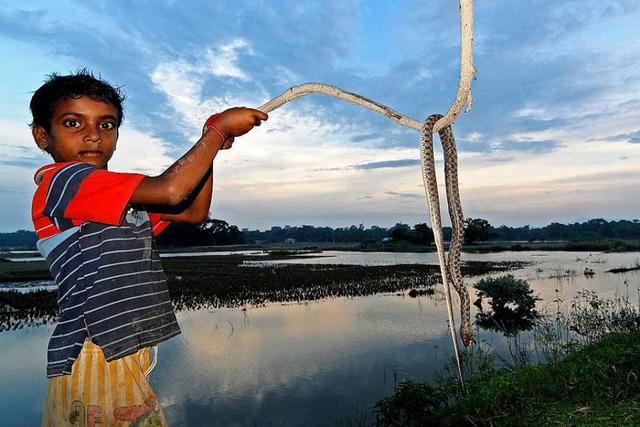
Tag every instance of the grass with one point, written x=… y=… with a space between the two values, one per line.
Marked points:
x=590 y=378
x=596 y=386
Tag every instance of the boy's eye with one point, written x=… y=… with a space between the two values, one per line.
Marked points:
x=108 y=125
x=72 y=123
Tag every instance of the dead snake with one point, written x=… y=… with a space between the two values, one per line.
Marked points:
x=449 y=267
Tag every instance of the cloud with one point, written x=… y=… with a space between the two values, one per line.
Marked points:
x=223 y=60
x=630 y=137
x=17 y=146
x=364 y=137
x=139 y=152
x=404 y=195
x=555 y=98
x=389 y=164
x=606 y=195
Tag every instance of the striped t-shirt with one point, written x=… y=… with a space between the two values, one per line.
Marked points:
x=111 y=286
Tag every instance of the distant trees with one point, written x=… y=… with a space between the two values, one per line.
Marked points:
x=18 y=239
x=308 y=233
x=400 y=232
x=592 y=229
x=212 y=232
x=219 y=232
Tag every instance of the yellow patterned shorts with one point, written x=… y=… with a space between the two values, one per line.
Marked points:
x=101 y=393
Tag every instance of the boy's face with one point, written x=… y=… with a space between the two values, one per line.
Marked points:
x=82 y=129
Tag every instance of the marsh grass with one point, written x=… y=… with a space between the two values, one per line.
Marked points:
x=228 y=281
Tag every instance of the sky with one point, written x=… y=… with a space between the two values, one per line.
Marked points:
x=553 y=135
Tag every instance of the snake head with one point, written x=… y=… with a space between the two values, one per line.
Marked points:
x=467 y=337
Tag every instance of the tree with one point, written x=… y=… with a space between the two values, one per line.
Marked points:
x=476 y=230
x=219 y=232
x=422 y=234
x=400 y=232
x=210 y=232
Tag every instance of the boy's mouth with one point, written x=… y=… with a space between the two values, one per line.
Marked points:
x=91 y=153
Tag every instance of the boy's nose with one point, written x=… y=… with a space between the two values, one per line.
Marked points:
x=92 y=134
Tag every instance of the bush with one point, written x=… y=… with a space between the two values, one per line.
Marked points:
x=411 y=405
x=511 y=302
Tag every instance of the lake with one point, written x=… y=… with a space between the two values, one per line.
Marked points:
x=314 y=364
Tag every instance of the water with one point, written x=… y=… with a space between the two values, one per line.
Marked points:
x=321 y=363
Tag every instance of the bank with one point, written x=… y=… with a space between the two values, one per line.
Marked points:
x=595 y=385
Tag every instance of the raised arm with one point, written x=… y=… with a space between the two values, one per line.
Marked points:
x=183 y=191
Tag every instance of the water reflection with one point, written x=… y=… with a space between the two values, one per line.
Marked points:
x=291 y=365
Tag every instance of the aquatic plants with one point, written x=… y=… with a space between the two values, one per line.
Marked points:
x=240 y=281
x=19 y=310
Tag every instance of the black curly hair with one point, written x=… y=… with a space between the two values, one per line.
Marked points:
x=82 y=83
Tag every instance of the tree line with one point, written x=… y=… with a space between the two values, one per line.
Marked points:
x=218 y=232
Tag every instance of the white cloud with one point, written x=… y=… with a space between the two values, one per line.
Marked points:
x=179 y=81
x=222 y=61
x=474 y=137
x=139 y=152
x=533 y=112
x=183 y=83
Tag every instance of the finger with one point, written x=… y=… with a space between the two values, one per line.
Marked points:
x=227 y=144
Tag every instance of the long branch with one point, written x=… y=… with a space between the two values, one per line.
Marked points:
x=463 y=95
x=296 y=92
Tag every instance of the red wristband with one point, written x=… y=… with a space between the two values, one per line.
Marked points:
x=209 y=124
x=210 y=120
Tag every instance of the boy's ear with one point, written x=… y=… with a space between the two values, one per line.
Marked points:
x=40 y=137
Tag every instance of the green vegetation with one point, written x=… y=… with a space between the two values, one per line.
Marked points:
x=594 y=386
x=590 y=376
x=511 y=305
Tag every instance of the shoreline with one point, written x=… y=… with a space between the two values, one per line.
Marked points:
x=34 y=269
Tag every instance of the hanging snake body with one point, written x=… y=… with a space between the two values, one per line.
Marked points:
x=449 y=266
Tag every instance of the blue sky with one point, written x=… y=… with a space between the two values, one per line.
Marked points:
x=554 y=134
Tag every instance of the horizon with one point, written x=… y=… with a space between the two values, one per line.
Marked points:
x=553 y=134
x=634 y=220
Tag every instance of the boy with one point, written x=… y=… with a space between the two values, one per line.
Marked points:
x=95 y=230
